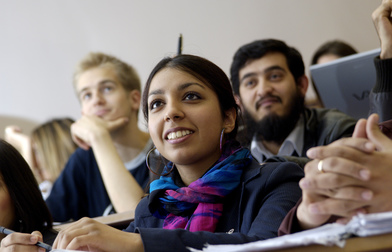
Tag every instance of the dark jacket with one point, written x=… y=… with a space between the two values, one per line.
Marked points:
x=381 y=94
x=252 y=212
x=322 y=127
x=80 y=192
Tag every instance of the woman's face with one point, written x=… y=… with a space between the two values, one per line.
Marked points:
x=7 y=211
x=185 y=121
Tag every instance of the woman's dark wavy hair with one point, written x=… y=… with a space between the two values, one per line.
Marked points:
x=31 y=212
x=205 y=71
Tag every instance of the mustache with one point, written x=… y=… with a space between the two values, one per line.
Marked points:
x=263 y=98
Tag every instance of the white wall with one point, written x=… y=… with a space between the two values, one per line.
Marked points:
x=42 y=40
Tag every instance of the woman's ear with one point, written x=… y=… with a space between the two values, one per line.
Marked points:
x=229 y=120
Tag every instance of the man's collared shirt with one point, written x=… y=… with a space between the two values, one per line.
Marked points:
x=292 y=145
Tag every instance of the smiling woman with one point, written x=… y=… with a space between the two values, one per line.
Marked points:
x=178 y=102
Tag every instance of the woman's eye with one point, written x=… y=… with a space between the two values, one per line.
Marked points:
x=192 y=96
x=155 y=104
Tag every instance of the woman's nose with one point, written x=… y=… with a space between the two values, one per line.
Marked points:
x=173 y=113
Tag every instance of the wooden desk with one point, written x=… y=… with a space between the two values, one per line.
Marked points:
x=377 y=243
x=372 y=243
x=117 y=220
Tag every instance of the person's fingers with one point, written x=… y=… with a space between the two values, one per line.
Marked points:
x=308 y=220
x=382 y=23
x=62 y=238
x=354 y=193
x=79 y=142
x=330 y=206
x=360 y=129
x=381 y=141
x=336 y=166
x=66 y=237
x=20 y=238
x=76 y=229
x=345 y=147
x=38 y=235
x=13 y=129
x=82 y=242
x=94 y=122
x=377 y=14
x=360 y=144
x=117 y=123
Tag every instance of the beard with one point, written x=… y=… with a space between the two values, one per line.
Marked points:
x=272 y=127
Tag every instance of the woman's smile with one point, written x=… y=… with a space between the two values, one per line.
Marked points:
x=176 y=134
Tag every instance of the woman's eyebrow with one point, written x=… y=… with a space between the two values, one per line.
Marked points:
x=186 y=85
x=180 y=88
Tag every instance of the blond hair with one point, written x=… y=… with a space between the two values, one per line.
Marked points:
x=127 y=75
x=53 y=142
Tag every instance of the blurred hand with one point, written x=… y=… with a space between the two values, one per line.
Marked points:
x=15 y=136
x=88 y=128
x=382 y=21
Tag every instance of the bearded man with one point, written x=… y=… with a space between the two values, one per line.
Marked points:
x=270 y=84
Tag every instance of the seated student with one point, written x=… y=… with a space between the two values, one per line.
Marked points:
x=108 y=172
x=212 y=190
x=329 y=51
x=269 y=80
x=46 y=150
x=21 y=203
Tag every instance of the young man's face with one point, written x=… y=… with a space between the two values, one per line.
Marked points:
x=268 y=87
x=101 y=94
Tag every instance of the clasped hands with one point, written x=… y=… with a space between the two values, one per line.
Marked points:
x=355 y=177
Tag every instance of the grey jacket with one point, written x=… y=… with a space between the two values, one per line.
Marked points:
x=322 y=127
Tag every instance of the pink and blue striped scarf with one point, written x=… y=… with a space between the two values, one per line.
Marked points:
x=199 y=206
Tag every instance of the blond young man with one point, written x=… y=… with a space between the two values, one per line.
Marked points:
x=107 y=173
